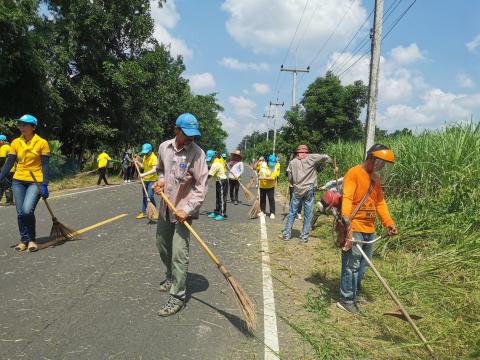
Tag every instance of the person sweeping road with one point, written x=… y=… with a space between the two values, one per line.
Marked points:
x=236 y=168
x=102 y=163
x=32 y=154
x=218 y=169
x=302 y=174
x=182 y=177
x=267 y=175
x=149 y=176
x=362 y=201
x=7 y=187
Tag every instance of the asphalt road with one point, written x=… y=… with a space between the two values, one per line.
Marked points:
x=97 y=297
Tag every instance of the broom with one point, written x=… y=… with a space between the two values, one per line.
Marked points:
x=255 y=209
x=251 y=183
x=85 y=173
x=246 y=305
x=59 y=231
x=152 y=213
x=248 y=194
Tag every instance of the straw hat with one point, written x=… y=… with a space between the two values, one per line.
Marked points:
x=236 y=153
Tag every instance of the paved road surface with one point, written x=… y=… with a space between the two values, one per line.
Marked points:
x=97 y=298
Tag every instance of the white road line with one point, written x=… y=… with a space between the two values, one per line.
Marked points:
x=87 y=191
x=269 y=315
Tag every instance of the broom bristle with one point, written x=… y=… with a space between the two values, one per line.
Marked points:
x=247 y=306
x=152 y=213
x=248 y=194
x=61 y=232
x=255 y=210
x=252 y=182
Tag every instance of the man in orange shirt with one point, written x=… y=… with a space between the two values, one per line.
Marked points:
x=356 y=184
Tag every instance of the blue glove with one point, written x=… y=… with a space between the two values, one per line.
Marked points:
x=44 y=193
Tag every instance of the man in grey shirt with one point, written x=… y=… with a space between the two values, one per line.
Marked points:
x=302 y=174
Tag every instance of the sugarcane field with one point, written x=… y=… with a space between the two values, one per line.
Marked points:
x=239 y=179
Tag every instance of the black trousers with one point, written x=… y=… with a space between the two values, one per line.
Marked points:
x=7 y=189
x=234 y=185
x=271 y=199
x=221 y=187
x=102 y=176
x=127 y=173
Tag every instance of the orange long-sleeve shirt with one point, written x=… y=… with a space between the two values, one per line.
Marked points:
x=355 y=185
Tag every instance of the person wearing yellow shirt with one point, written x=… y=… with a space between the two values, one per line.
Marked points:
x=267 y=176
x=218 y=169
x=102 y=163
x=7 y=188
x=32 y=154
x=149 y=165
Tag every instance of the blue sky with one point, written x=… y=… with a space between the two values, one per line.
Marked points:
x=429 y=71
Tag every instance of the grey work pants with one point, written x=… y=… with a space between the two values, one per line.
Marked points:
x=173 y=247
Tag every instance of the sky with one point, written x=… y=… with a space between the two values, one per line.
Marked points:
x=429 y=71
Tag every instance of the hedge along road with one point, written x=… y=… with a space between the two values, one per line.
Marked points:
x=97 y=298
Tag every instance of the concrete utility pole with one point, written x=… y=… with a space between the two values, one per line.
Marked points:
x=294 y=83
x=277 y=104
x=376 y=37
x=268 y=121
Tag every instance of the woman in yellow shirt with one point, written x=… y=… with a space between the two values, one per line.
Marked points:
x=267 y=175
x=31 y=153
x=7 y=188
x=149 y=175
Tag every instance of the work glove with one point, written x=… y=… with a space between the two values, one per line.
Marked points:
x=392 y=230
x=346 y=221
x=44 y=192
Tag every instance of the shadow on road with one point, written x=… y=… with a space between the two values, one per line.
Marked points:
x=196 y=283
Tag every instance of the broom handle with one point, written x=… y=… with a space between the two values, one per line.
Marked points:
x=40 y=191
x=336 y=172
x=143 y=184
x=397 y=301
x=194 y=233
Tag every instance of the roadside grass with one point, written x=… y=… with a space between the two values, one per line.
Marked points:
x=79 y=182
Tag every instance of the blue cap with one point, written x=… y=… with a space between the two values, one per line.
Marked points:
x=272 y=160
x=30 y=119
x=224 y=155
x=3 y=138
x=146 y=148
x=189 y=124
x=210 y=154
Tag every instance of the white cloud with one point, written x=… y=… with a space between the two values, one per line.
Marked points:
x=165 y=19
x=242 y=107
x=464 y=81
x=261 y=88
x=235 y=64
x=473 y=44
x=406 y=55
x=267 y=26
x=204 y=81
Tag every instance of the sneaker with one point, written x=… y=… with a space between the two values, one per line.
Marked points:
x=235 y=203
x=261 y=213
x=220 y=217
x=124 y=181
x=282 y=237
x=303 y=241
x=212 y=215
x=140 y=215
x=299 y=216
x=165 y=285
x=172 y=306
x=21 y=247
x=32 y=246
x=348 y=307
x=272 y=216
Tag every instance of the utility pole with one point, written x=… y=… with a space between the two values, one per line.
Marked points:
x=376 y=36
x=277 y=104
x=268 y=121
x=294 y=71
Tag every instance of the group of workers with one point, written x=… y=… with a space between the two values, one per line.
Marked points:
x=181 y=172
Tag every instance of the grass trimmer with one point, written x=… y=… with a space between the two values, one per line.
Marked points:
x=246 y=305
x=152 y=213
x=59 y=231
x=401 y=313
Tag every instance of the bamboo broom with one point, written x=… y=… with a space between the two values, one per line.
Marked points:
x=59 y=231
x=85 y=173
x=152 y=213
x=255 y=209
x=248 y=194
x=246 y=305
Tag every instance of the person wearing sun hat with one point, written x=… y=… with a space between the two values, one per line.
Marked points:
x=32 y=154
x=182 y=176
x=149 y=175
x=7 y=188
x=235 y=170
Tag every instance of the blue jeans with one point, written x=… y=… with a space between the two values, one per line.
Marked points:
x=307 y=200
x=149 y=186
x=354 y=267
x=26 y=199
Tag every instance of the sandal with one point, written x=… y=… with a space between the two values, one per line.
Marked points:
x=32 y=246
x=21 y=247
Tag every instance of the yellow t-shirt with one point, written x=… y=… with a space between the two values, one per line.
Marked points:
x=271 y=176
x=29 y=157
x=217 y=169
x=4 y=151
x=148 y=163
x=103 y=159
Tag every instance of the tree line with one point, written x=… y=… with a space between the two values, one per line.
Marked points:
x=94 y=75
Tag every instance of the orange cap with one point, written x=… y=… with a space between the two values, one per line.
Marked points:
x=385 y=155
